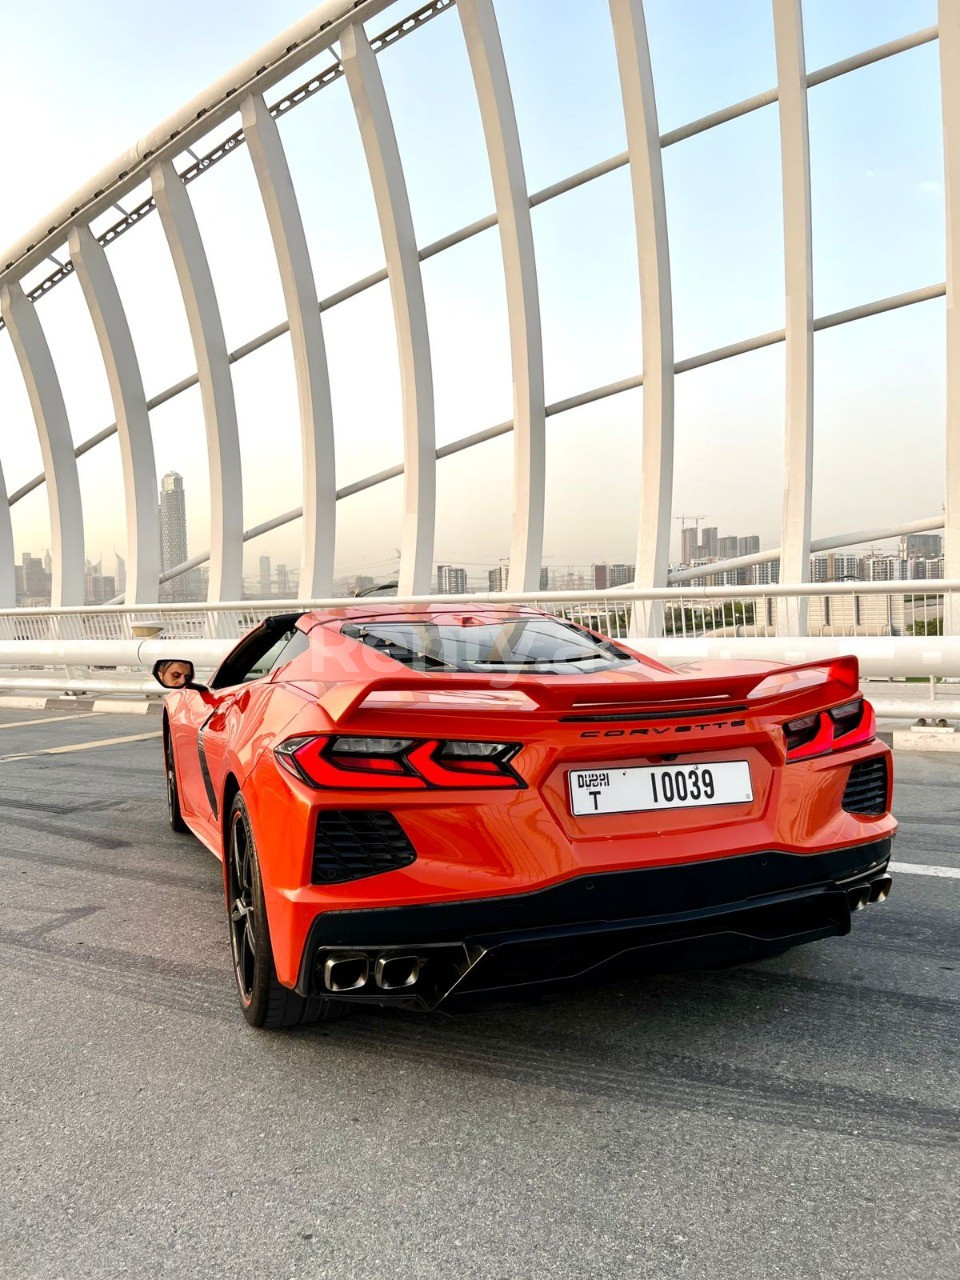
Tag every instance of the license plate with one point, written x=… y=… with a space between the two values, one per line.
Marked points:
x=687 y=786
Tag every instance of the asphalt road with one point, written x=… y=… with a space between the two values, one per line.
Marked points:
x=795 y=1119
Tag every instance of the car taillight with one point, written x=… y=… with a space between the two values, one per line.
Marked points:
x=853 y=723
x=465 y=764
x=802 y=736
x=847 y=725
x=345 y=762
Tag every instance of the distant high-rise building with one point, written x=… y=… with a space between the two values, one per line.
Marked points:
x=283 y=582
x=451 y=581
x=689 y=541
x=877 y=568
x=764 y=573
x=843 y=567
x=727 y=548
x=748 y=546
x=92 y=583
x=833 y=567
x=173 y=533
x=708 y=540
x=266 y=585
x=729 y=578
x=926 y=546
x=99 y=588
x=497 y=578
x=544 y=578
x=818 y=569
x=621 y=574
x=33 y=580
x=601 y=576
x=121 y=574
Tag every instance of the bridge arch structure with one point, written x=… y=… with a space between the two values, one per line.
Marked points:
x=342 y=40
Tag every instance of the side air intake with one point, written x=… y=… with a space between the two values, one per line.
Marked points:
x=352 y=843
x=866 y=791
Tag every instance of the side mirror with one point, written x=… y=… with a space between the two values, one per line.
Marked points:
x=175 y=673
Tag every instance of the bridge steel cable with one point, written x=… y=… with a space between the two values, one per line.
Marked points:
x=798 y=306
x=485 y=52
x=216 y=387
x=306 y=336
x=133 y=418
x=653 y=259
x=56 y=444
x=409 y=309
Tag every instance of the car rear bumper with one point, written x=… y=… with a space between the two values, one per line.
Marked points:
x=700 y=914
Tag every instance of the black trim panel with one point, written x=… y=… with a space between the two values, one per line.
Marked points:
x=205 y=769
x=675 y=904
x=611 y=895
x=687 y=713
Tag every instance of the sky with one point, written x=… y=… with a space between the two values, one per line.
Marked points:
x=877 y=189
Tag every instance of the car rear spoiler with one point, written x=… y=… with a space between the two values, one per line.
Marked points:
x=606 y=693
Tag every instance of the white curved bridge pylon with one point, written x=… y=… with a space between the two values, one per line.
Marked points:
x=165 y=158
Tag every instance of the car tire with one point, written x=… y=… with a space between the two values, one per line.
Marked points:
x=264 y=1000
x=173 y=791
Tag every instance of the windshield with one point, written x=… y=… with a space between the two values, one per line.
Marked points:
x=540 y=645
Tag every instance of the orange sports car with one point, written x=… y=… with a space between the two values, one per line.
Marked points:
x=416 y=806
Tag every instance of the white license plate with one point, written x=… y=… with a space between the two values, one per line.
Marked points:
x=667 y=786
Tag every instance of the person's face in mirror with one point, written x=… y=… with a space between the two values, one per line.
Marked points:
x=176 y=675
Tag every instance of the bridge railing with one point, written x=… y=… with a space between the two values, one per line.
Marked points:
x=894 y=629
x=861 y=609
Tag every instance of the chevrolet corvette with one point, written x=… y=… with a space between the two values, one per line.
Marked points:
x=431 y=805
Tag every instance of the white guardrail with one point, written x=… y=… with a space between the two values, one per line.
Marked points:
x=894 y=629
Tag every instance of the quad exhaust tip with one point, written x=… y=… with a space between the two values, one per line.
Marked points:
x=880 y=889
x=860 y=897
x=876 y=891
x=393 y=972
x=351 y=970
x=346 y=972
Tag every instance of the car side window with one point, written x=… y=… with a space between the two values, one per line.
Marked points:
x=254 y=656
x=291 y=648
x=265 y=663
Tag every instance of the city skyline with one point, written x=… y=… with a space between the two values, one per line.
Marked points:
x=878 y=230
x=920 y=556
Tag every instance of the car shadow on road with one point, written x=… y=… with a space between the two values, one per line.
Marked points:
x=781 y=1042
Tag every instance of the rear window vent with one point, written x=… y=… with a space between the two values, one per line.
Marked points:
x=866 y=791
x=352 y=843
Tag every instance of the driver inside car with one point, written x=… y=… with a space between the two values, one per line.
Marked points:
x=176 y=675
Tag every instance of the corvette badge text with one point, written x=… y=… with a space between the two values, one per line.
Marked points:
x=672 y=728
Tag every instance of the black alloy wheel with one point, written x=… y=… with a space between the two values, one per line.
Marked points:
x=173 y=793
x=264 y=1000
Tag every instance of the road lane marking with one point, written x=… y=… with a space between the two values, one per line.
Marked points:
x=74 y=715
x=921 y=869
x=81 y=746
